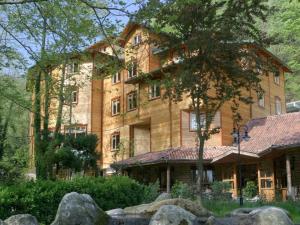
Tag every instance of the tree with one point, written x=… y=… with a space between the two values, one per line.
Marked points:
x=53 y=30
x=214 y=56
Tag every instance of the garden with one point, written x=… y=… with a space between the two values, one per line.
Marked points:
x=41 y=199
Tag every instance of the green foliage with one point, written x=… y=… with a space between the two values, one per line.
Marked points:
x=151 y=192
x=182 y=190
x=70 y=152
x=220 y=190
x=251 y=189
x=283 y=25
x=42 y=198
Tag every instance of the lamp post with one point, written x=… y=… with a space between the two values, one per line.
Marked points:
x=236 y=133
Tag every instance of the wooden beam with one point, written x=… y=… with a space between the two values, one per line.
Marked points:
x=168 y=178
x=235 y=181
x=290 y=193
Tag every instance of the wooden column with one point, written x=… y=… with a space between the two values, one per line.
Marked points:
x=258 y=179
x=289 y=177
x=168 y=178
x=235 y=181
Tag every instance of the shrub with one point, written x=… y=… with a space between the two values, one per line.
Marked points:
x=220 y=190
x=151 y=192
x=251 y=190
x=181 y=190
x=42 y=198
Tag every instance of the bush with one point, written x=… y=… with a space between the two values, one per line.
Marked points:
x=42 y=198
x=151 y=192
x=251 y=190
x=220 y=190
x=182 y=190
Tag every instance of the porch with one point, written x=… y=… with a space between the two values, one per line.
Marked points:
x=277 y=174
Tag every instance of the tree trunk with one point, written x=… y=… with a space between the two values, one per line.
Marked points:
x=60 y=102
x=200 y=168
x=3 y=130
x=46 y=107
x=40 y=164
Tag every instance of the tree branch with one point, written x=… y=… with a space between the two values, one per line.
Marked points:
x=16 y=2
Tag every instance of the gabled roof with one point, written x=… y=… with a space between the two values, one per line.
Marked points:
x=178 y=155
x=272 y=132
x=266 y=134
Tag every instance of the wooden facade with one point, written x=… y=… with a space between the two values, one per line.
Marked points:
x=156 y=124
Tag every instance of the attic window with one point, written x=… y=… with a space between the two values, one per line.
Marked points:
x=72 y=68
x=137 y=39
x=132 y=70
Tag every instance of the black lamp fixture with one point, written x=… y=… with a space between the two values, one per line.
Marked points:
x=237 y=136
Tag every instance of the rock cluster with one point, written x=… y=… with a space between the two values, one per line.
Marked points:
x=81 y=209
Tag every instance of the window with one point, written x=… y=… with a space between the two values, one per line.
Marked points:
x=131 y=101
x=116 y=78
x=115 y=106
x=193 y=121
x=154 y=91
x=132 y=70
x=261 y=100
x=72 y=68
x=277 y=78
x=266 y=173
x=75 y=129
x=115 y=141
x=137 y=39
x=74 y=96
x=277 y=106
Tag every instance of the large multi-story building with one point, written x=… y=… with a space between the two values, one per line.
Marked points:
x=149 y=137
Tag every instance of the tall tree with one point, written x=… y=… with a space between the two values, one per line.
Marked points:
x=52 y=29
x=214 y=58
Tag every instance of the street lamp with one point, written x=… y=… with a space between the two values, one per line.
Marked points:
x=236 y=134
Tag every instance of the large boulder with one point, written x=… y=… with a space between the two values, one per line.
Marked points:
x=79 y=209
x=172 y=215
x=2 y=222
x=266 y=215
x=152 y=208
x=270 y=215
x=163 y=196
x=21 y=219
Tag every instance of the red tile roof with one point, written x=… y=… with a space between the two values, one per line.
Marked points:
x=174 y=155
x=271 y=132
x=280 y=131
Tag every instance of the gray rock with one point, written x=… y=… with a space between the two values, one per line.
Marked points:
x=152 y=208
x=115 y=212
x=2 y=222
x=79 y=209
x=163 y=196
x=21 y=219
x=270 y=216
x=172 y=215
x=241 y=212
x=266 y=215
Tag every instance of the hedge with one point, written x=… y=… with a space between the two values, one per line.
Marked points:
x=42 y=198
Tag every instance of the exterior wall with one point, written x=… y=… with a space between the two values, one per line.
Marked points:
x=141 y=142
x=168 y=122
x=81 y=111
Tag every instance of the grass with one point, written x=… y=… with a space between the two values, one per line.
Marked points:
x=222 y=208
